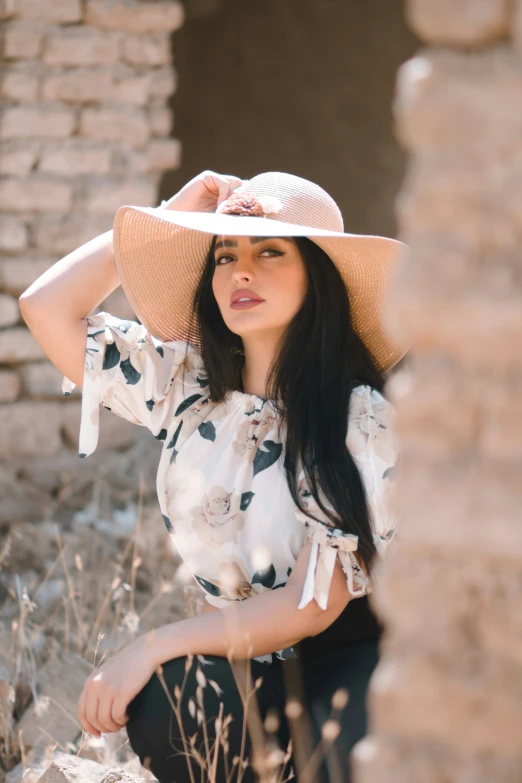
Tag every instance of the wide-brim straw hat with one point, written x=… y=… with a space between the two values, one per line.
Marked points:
x=160 y=255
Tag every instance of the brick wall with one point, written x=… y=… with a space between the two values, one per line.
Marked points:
x=84 y=128
x=446 y=700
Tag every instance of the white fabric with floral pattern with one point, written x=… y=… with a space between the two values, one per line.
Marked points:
x=221 y=482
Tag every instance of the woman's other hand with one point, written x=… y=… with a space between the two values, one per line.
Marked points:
x=204 y=192
x=109 y=689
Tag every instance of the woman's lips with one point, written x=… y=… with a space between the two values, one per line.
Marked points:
x=246 y=305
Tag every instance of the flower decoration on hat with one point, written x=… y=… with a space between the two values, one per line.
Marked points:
x=250 y=205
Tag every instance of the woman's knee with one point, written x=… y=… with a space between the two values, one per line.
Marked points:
x=153 y=727
x=150 y=711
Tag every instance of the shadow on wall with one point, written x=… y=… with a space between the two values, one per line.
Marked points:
x=301 y=86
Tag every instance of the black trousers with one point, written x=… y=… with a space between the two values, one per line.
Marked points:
x=293 y=696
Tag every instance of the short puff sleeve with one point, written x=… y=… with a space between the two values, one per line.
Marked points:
x=134 y=375
x=371 y=442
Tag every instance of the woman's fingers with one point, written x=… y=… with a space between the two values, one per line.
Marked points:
x=224 y=184
x=105 y=714
x=118 y=713
x=91 y=711
x=98 y=715
x=233 y=181
x=224 y=191
x=80 y=711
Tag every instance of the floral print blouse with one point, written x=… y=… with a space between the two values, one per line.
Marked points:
x=221 y=483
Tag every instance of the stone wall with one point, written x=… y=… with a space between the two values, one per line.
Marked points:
x=446 y=700
x=84 y=128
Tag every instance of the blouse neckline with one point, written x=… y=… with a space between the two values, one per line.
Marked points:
x=243 y=398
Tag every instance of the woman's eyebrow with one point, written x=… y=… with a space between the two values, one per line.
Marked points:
x=253 y=241
x=225 y=243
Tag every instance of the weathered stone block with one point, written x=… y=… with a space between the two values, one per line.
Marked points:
x=127 y=127
x=33 y=122
x=136 y=161
x=464 y=607
x=132 y=89
x=470 y=494
x=17 y=159
x=40 y=195
x=17 y=274
x=164 y=82
x=20 y=500
x=500 y=435
x=80 y=85
x=19 y=84
x=147 y=50
x=7 y=9
x=21 y=41
x=161 y=120
x=39 y=760
x=451 y=201
x=58 y=11
x=468 y=23
x=120 y=775
x=75 y=157
x=106 y=197
x=65 y=772
x=9 y=312
x=448 y=101
x=13 y=234
x=42 y=379
x=402 y=760
x=416 y=698
x=115 y=432
x=164 y=154
x=30 y=429
x=61 y=680
x=482 y=331
x=64 y=233
x=10 y=385
x=429 y=421
x=78 y=46
x=19 y=345
x=135 y=17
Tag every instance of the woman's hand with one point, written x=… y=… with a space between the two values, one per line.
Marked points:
x=204 y=192
x=108 y=690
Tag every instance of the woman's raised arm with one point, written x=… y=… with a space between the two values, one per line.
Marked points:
x=55 y=305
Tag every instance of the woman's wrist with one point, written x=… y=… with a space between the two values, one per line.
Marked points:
x=161 y=644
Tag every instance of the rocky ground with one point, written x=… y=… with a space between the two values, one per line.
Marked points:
x=73 y=587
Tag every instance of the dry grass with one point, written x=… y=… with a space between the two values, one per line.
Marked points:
x=101 y=611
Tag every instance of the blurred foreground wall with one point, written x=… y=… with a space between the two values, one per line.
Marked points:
x=446 y=701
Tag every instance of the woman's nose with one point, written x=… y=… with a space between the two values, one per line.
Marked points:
x=244 y=266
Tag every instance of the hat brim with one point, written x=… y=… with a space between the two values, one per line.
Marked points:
x=238 y=225
x=160 y=255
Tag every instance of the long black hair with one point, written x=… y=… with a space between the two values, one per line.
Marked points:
x=310 y=381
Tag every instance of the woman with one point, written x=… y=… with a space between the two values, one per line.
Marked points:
x=260 y=362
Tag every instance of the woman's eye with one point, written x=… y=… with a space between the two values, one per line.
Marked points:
x=267 y=250
x=270 y=250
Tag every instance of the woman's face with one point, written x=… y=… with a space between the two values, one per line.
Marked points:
x=272 y=269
